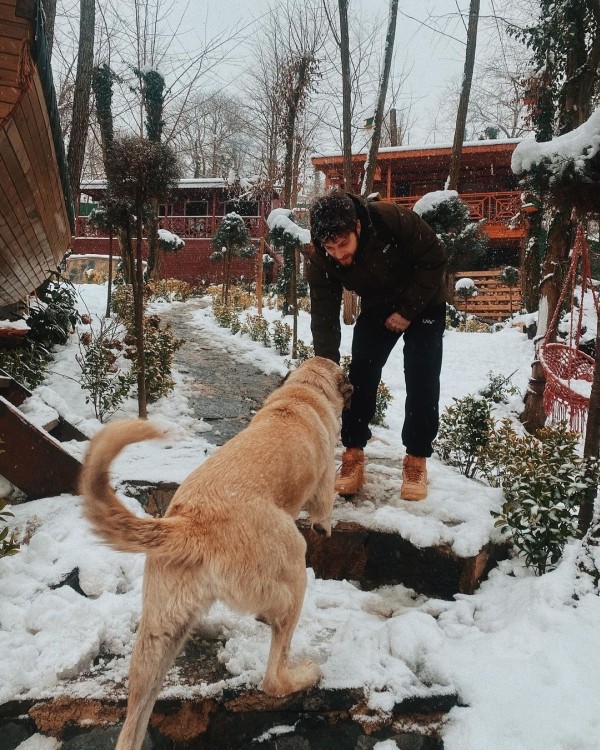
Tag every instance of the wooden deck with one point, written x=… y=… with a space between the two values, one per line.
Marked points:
x=34 y=219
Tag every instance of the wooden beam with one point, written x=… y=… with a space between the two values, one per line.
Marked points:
x=31 y=459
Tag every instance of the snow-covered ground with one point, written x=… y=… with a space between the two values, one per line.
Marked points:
x=523 y=659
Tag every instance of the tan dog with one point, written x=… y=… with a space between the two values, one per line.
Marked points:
x=229 y=532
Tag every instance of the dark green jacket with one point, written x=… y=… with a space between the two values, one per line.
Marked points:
x=400 y=266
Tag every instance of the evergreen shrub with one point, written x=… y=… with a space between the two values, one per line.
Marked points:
x=464 y=430
x=383 y=399
x=8 y=544
x=281 y=337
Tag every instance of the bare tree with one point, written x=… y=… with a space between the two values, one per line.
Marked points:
x=49 y=7
x=463 y=105
x=81 y=96
x=371 y=163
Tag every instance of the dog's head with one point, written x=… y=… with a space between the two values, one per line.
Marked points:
x=325 y=375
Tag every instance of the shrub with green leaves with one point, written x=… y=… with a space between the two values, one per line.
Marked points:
x=121 y=303
x=498 y=389
x=464 y=430
x=169 y=290
x=56 y=316
x=257 y=328
x=383 y=399
x=281 y=336
x=160 y=345
x=544 y=481
x=8 y=544
x=26 y=364
x=223 y=312
x=100 y=358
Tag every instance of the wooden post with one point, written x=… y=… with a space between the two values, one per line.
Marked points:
x=259 y=274
x=389 y=180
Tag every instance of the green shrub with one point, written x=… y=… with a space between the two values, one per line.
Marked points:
x=160 y=345
x=169 y=290
x=26 y=364
x=383 y=399
x=464 y=430
x=544 y=481
x=107 y=385
x=257 y=328
x=121 y=303
x=498 y=389
x=56 y=316
x=223 y=312
x=281 y=336
x=8 y=545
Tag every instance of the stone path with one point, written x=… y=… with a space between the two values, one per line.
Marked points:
x=221 y=391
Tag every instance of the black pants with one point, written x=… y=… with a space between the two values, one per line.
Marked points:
x=372 y=344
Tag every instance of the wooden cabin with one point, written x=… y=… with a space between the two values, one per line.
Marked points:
x=193 y=213
x=405 y=173
x=36 y=215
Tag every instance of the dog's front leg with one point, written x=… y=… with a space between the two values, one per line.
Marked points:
x=320 y=506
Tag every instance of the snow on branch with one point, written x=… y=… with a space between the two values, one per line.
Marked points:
x=280 y=218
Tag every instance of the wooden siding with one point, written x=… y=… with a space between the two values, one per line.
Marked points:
x=34 y=224
x=493 y=300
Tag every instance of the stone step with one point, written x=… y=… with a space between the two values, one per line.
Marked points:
x=368 y=556
x=202 y=708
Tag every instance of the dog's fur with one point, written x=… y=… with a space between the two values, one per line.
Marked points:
x=229 y=532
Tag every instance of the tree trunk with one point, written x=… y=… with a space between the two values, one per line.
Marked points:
x=138 y=303
x=367 y=186
x=294 y=96
x=49 y=7
x=465 y=93
x=110 y=274
x=81 y=97
x=554 y=269
x=296 y=171
x=346 y=94
x=152 y=239
x=393 y=128
x=531 y=263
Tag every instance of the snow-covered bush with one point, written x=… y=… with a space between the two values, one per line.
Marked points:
x=464 y=430
x=169 y=242
x=160 y=345
x=544 y=481
x=449 y=217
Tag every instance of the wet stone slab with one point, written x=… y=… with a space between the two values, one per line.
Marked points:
x=230 y=718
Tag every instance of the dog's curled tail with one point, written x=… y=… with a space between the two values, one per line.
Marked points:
x=110 y=519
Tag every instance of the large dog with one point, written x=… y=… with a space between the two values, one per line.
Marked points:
x=229 y=532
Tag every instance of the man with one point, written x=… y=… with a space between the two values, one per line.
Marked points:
x=391 y=258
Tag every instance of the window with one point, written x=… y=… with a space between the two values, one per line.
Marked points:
x=242 y=207
x=196 y=208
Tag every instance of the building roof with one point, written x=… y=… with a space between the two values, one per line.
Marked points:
x=437 y=148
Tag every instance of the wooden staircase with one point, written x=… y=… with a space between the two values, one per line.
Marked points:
x=494 y=301
x=31 y=457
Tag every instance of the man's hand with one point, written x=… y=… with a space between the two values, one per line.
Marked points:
x=397 y=323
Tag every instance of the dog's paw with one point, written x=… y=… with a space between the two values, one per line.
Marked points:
x=300 y=676
x=322 y=527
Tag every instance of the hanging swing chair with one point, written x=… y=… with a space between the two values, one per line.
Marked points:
x=569 y=371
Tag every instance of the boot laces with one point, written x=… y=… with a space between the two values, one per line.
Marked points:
x=414 y=472
x=349 y=466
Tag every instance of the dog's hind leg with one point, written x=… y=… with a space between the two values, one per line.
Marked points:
x=170 y=607
x=281 y=678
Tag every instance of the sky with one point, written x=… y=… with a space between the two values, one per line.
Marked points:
x=429 y=46
x=520 y=653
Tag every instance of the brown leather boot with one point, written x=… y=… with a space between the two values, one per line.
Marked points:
x=414 y=478
x=352 y=472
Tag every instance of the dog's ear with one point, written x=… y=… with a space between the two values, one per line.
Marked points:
x=345 y=388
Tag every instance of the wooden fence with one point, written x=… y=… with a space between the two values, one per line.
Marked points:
x=493 y=300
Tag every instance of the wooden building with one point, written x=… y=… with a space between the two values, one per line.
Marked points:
x=193 y=212
x=405 y=173
x=36 y=216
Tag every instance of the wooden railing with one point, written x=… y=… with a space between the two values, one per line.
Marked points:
x=494 y=207
x=186 y=227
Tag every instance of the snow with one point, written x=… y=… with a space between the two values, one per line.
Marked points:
x=483 y=144
x=464 y=283
x=16 y=325
x=281 y=217
x=433 y=199
x=523 y=659
x=578 y=145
